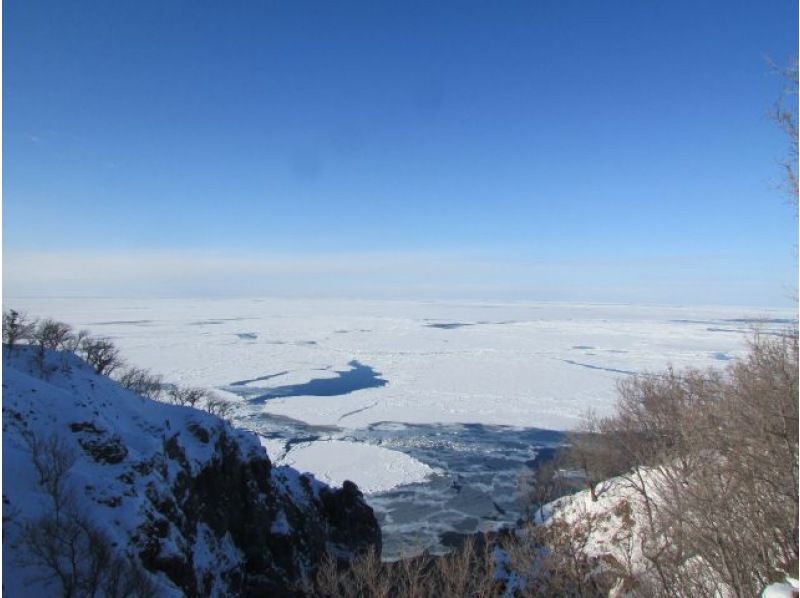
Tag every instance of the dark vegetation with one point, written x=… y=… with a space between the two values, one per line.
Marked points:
x=713 y=458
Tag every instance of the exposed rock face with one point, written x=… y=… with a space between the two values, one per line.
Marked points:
x=194 y=500
x=344 y=511
x=283 y=524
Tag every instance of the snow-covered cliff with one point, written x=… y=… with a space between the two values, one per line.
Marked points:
x=103 y=488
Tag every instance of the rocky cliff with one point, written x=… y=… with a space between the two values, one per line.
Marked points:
x=182 y=502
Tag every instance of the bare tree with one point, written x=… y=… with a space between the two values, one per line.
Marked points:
x=466 y=571
x=218 y=406
x=16 y=327
x=545 y=484
x=52 y=335
x=74 y=342
x=588 y=448
x=369 y=577
x=52 y=458
x=784 y=113
x=414 y=576
x=101 y=354
x=715 y=468
x=62 y=545
x=552 y=560
x=142 y=382
x=49 y=335
x=186 y=395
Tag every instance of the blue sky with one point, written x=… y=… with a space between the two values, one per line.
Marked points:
x=559 y=150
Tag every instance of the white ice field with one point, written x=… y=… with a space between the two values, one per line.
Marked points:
x=432 y=408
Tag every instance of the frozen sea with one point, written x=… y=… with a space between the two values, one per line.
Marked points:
x=434 y=409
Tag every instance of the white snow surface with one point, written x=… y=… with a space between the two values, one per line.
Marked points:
x=520 y=364
x=785 y=589
x=536 y=365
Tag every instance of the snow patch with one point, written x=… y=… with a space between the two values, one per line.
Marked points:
x=786 y=589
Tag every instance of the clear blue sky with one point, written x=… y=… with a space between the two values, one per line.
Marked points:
x=600 y=151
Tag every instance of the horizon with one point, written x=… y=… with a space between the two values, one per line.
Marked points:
x=519 y=152
x=206 y=277
x=35 y=306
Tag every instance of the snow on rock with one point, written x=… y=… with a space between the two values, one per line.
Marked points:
x=612 y=532
x=606 y=530
x=181 y=494
x=276 y=448
x=786 y=589
x=373 y=468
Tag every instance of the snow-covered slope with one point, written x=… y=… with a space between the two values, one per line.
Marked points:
x=608 y=530
x=613 y=534
x=182 y=495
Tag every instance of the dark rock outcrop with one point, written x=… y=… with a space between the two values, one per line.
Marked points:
x=281 y=523
x=344 y=511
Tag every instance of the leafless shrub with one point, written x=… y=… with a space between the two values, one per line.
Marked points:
x=551 y=560
x=589 y=450
x=365 y=576
x=218 y=406
x=52 y=335
x=467 y=571
x=414 y=575
x=142 y=382
x=326 y=582
x=101 y=354
x=784 y=113
x=199 y=398
x=62 y=545
x=741 y=507
x=49 y=335
x=74 y=342
x=185 y=395
x=52 y=458
x=543 y=485
x=368 y=577
x=71 y=551
x=714 y=461
x=537 y=560
x=16 y=327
